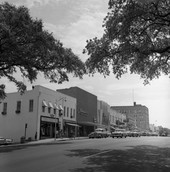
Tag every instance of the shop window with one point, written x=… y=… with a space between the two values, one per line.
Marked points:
x=18 y=108
x=4 y=112
x=31 y=105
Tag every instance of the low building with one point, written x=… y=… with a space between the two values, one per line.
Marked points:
x=38 y=113
x=117 y=119
x=86 y=109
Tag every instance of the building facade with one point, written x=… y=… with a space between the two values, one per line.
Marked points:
x=38 y=113
x=117 y=119
x=103 y=114
x=137 y=115
x=86 y=109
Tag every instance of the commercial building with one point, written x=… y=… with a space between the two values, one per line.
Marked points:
x=103 y=114
x=137 y=115
x=117 y=119
x=38 y=113
x=86 y=109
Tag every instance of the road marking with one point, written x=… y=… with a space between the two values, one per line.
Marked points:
x=97 y=154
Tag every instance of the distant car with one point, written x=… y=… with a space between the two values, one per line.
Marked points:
x=118 y=134
x=135 y=134
x=163 y=134
x=95 y=134
x=8 y=141
x=5 y=141
x=103 y=132
x=129 y=133
x=2 y=140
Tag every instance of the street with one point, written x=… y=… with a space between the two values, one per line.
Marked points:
x=142 y=154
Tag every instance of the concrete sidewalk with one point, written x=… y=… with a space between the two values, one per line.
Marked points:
x=44 y=141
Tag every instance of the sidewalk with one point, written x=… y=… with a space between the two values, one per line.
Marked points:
x=52 y=140
x=44 y=141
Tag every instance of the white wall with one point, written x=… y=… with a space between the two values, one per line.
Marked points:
x=12 y=125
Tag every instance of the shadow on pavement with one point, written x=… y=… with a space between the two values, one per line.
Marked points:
x=143 y=158
x=11 y=148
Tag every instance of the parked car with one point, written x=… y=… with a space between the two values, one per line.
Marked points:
x=8 y=141
x=2 y=140
x=5 y=141
x=103 y=132
x=129 y=133
x=95 y=134
x=118 y=134
x=135 y=134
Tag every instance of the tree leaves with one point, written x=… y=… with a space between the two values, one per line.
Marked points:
x=24 y=45
x=136 y=37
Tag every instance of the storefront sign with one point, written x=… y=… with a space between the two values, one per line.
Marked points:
x=49 y=119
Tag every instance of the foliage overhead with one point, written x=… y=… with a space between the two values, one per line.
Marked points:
x=136 y=39
x=26 y=47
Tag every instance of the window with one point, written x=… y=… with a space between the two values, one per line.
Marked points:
x=67 y=111
x=54 y=111
x=74 y=113
x=4 y=112
x=18 y=110
x=50 y=106
x=71 y=113
x=64 y=111
x=31 y=105
x=49 y=109
x=44 y=104
x=43 y=108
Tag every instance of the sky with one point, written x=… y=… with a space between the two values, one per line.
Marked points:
x=75 y=21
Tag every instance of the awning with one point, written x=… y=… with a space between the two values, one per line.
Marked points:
x=56 y=107
x=60 y=107
x=92 y=124
x=73 y=125
x=44 y=103
x=50 y=105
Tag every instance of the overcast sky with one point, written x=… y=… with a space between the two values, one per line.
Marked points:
x=75 y=21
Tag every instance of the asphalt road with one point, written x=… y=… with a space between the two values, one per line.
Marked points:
x=144 y=154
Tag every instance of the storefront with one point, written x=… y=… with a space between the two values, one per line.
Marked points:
x=71 y=129
x=47 y=127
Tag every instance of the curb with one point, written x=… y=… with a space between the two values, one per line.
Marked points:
x=41 y=142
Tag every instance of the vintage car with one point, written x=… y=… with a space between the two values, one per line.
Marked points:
x=99 y=133
x=5 y=141
x=2 y=140
x=95 y=134
x=119 y=133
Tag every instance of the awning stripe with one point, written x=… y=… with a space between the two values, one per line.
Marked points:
x=73 y=125
x=44 y=103
x=50 y=105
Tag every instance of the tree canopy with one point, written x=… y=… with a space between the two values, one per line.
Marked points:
x=136 y=39
x=26 y=47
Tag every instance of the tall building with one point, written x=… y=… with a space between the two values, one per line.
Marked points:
x=137 y=115
x=86 y=109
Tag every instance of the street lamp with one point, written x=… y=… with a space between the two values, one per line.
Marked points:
x=59 y=108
